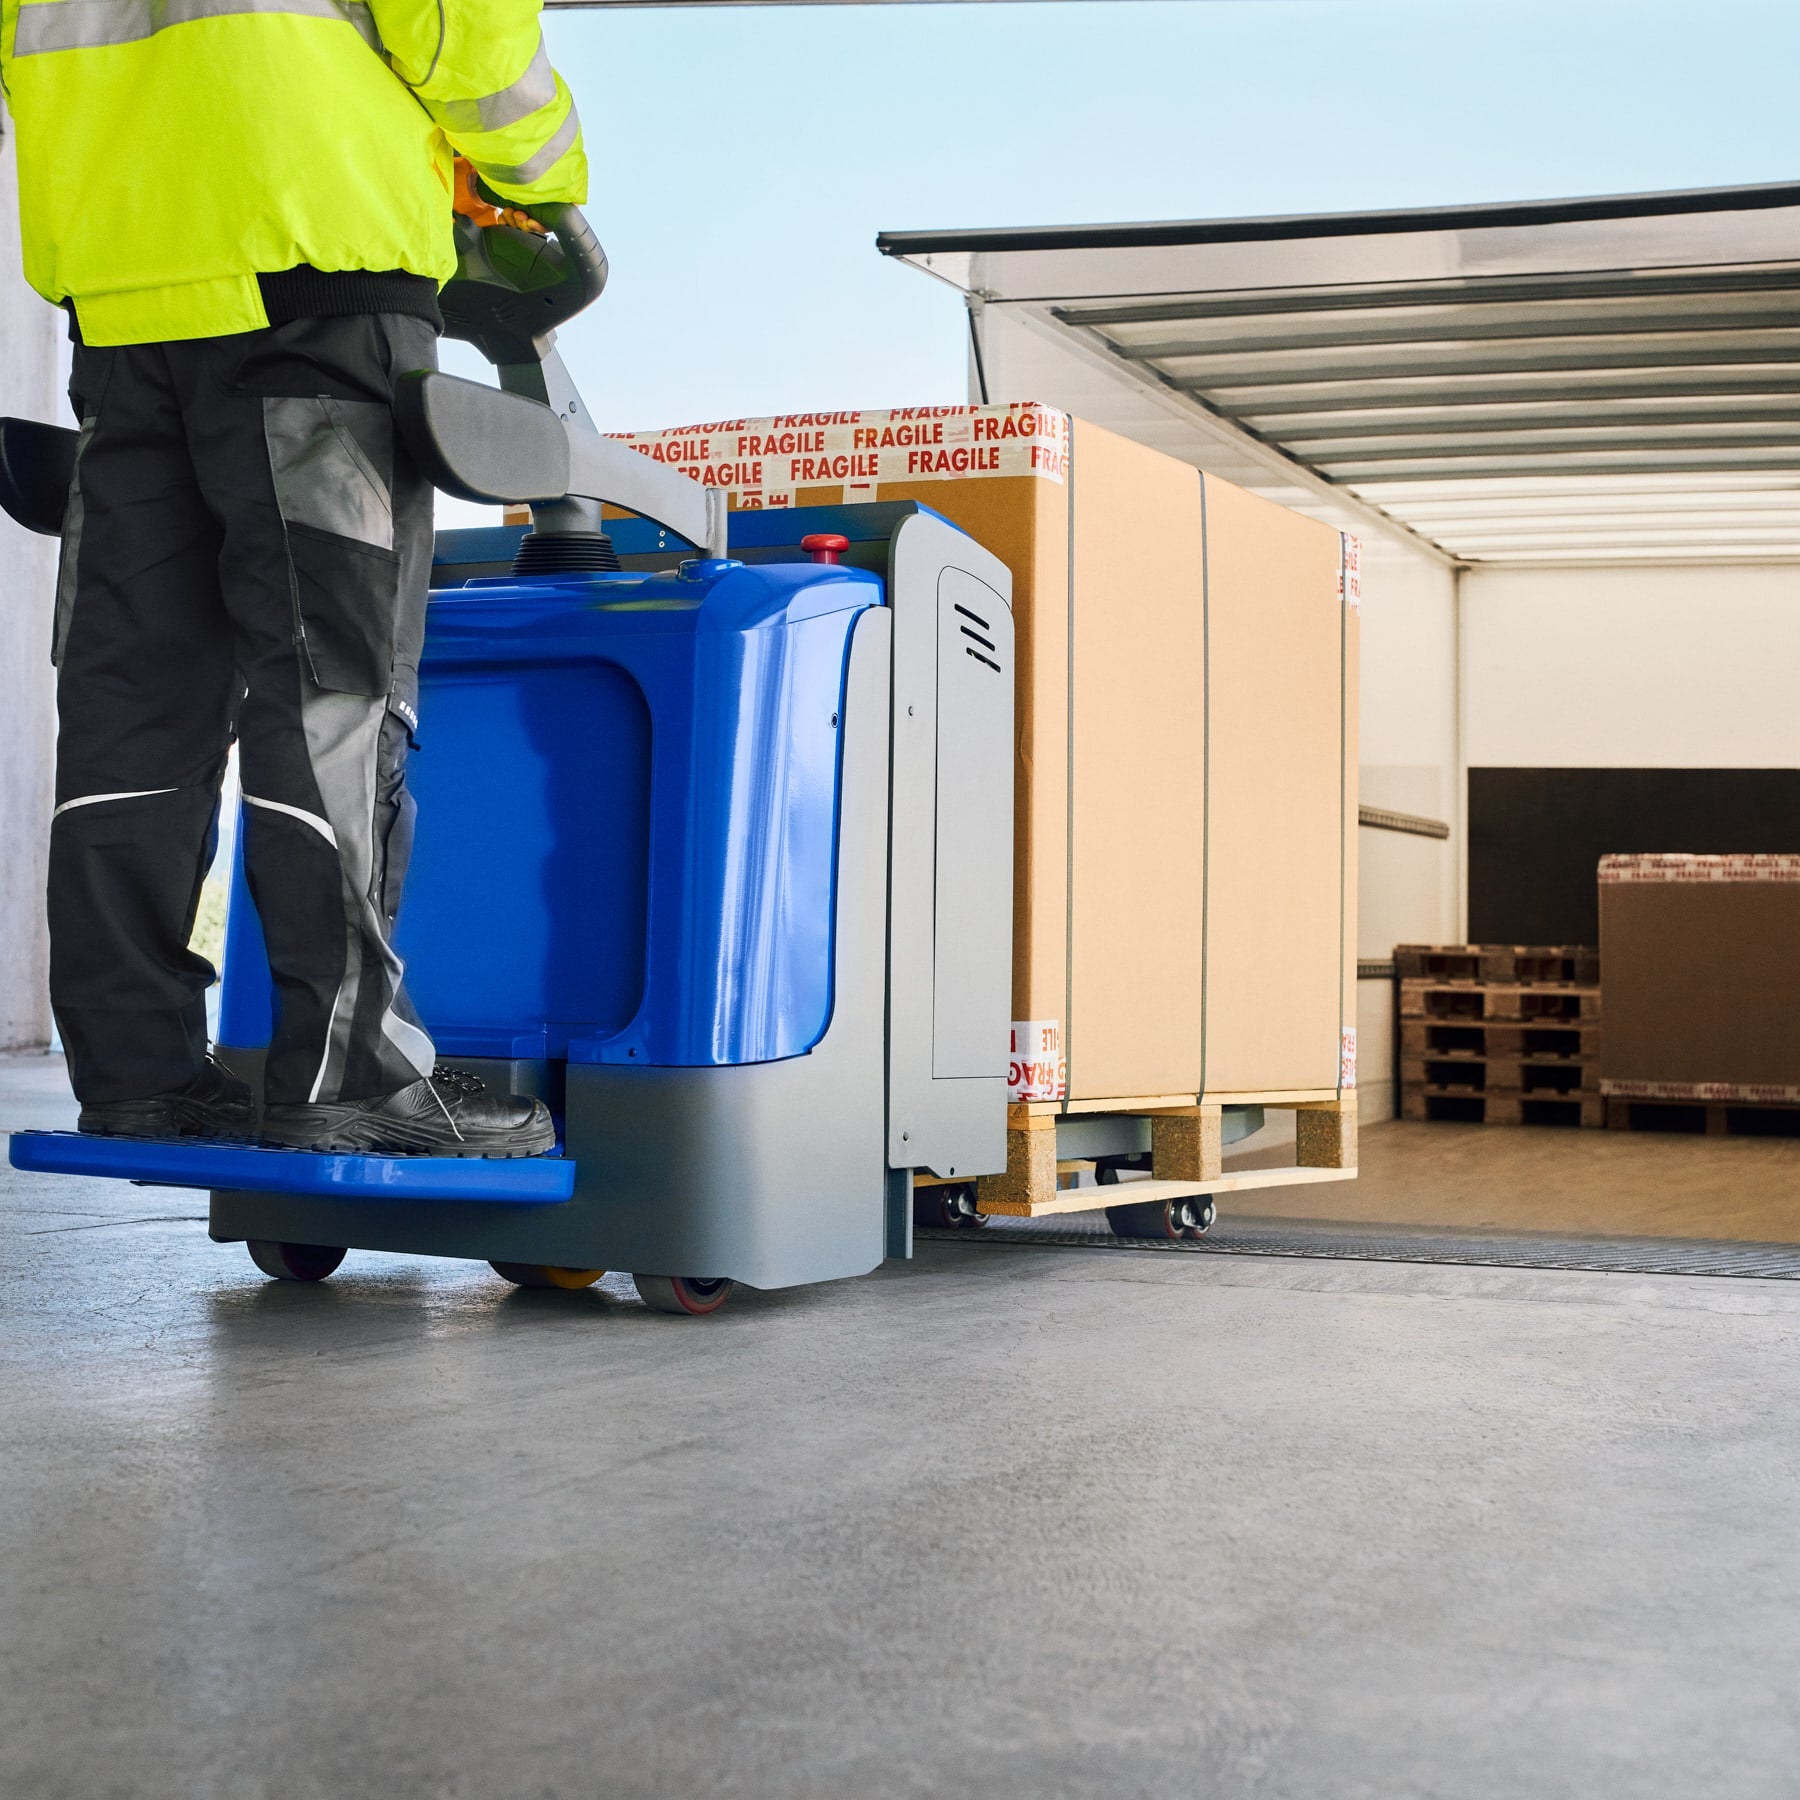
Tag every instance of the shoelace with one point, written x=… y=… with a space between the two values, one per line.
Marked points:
x=457 y=1081
x=460 y=1082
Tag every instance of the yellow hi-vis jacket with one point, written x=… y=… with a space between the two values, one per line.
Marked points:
x=170 y=151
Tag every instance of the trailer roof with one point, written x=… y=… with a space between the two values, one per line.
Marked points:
x=1608 y=379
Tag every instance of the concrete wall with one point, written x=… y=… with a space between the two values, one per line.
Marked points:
x=33 y=374
x=1659 y=668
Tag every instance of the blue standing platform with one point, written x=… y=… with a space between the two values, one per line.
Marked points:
x=196 y=1163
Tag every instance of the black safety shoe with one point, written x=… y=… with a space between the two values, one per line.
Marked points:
x=215 y=1104
x=452 y=1114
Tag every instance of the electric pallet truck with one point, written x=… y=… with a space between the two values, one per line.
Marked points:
x=725 y=804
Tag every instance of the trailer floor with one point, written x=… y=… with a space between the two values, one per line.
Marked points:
x=998 y=1523
x=1543 y=1178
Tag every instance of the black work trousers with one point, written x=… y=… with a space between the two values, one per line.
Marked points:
x=246 y=553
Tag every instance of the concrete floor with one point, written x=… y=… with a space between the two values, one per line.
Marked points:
x=1000 y=1523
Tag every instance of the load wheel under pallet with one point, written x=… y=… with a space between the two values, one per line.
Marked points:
x=1171 y=1220
x=1168 y=1220
x=947 y=1206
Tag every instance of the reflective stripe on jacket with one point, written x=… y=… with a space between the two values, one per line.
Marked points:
x=170 y=151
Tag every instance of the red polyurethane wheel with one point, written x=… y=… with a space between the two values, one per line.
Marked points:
x=686 y=1295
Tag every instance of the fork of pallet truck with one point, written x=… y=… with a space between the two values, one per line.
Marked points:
x=733 y=835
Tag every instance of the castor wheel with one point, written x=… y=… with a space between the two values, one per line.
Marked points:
x=686 y=1294
x=1169 y=1220
x=294 y=1262
x=947 y=1208
x=546 y=1275
x=1106 y=1168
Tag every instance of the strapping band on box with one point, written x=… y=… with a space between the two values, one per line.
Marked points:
x=1615 y=870
x=761 y=462
x=1746 y=1093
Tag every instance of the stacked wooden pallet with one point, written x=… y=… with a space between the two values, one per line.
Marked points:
x=1500 y=1034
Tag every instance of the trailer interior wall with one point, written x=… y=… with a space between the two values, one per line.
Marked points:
x=32 y=376
x=1691 y=667
x=1408 y=886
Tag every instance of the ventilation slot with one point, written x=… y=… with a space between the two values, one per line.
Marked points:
x=979 y=620
x=986 y=643
x=985 y=659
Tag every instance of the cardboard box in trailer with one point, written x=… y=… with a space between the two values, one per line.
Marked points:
x=1185 y=818
x=1702 y=961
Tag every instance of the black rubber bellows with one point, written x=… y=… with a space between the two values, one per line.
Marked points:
x=565 y=553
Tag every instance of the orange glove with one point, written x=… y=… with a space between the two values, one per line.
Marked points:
x=466 y=201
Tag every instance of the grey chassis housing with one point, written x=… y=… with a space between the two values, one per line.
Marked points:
x=781 y=1173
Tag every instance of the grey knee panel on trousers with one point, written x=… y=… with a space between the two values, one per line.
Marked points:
x=332 y=463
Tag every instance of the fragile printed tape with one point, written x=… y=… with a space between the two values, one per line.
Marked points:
x=1037 y=1068
x=1718 y=1092
x=1615 y=870
x=760 y=463
x=1347 y=1057
x=1350 y=573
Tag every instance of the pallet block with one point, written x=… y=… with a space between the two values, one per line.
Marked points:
x=1188 y=1145
x=1030 y=1173
x=1325 y=1133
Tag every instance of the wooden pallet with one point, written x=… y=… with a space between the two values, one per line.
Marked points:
x=1186 y=1153
x=1528 y=1075
x=1498 y=1106
x=1527 y=1003
x=1711 y=1118
x=1498 y=962
x=1499 y=1037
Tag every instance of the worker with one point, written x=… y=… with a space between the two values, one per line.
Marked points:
x=246 y=208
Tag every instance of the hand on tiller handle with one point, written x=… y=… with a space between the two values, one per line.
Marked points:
x=467 y=201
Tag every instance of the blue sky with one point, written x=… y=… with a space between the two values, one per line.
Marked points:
x=744 y=158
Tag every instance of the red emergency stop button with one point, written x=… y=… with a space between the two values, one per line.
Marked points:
x=825 y=546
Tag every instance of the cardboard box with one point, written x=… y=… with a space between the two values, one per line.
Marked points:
x=1185 y=819
x=1702 y=962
